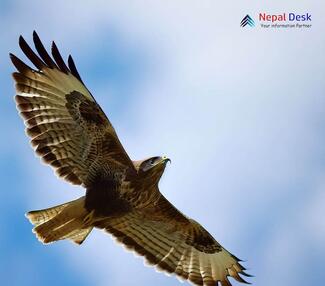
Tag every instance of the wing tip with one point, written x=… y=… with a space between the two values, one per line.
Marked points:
x=30 y=54
x=42 y=59
x=21 y=40
x=246 y=274
x=19 y=64
x=73 y=68
x=23 y=44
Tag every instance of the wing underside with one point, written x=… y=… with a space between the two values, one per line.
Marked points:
x=67 y=127
x=175 y=244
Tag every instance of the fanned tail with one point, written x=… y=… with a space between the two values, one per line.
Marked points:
x=64 y=221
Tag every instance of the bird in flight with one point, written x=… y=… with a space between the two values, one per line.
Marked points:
x=71 y=133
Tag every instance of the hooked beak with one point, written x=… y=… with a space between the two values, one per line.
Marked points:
x=165 y=160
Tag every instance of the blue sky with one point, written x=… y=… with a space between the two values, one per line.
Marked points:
x=239 y=111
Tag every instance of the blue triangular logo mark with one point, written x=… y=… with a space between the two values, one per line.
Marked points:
x=247 y=20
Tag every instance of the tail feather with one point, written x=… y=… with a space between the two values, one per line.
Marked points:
x=40 y=216
x=65 y=221
x=78 y=236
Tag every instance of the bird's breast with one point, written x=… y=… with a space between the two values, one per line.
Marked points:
x=104 y=196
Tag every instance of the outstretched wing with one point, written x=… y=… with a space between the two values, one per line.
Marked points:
x=175 y=244
x=67 y=127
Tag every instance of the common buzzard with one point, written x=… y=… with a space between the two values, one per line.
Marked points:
x=71 y=133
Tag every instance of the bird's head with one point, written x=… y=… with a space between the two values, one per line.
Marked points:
x=152 y=167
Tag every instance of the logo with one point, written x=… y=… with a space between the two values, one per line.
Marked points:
x=247 y=21
x=278 y=20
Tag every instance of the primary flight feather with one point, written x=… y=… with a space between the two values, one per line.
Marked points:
x=71 y=133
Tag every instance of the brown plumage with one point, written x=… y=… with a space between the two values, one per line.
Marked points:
x=71 y=133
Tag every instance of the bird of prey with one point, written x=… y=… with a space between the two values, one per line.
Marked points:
x=71 y=133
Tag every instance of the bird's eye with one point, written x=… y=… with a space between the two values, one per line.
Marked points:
x=152 y=161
